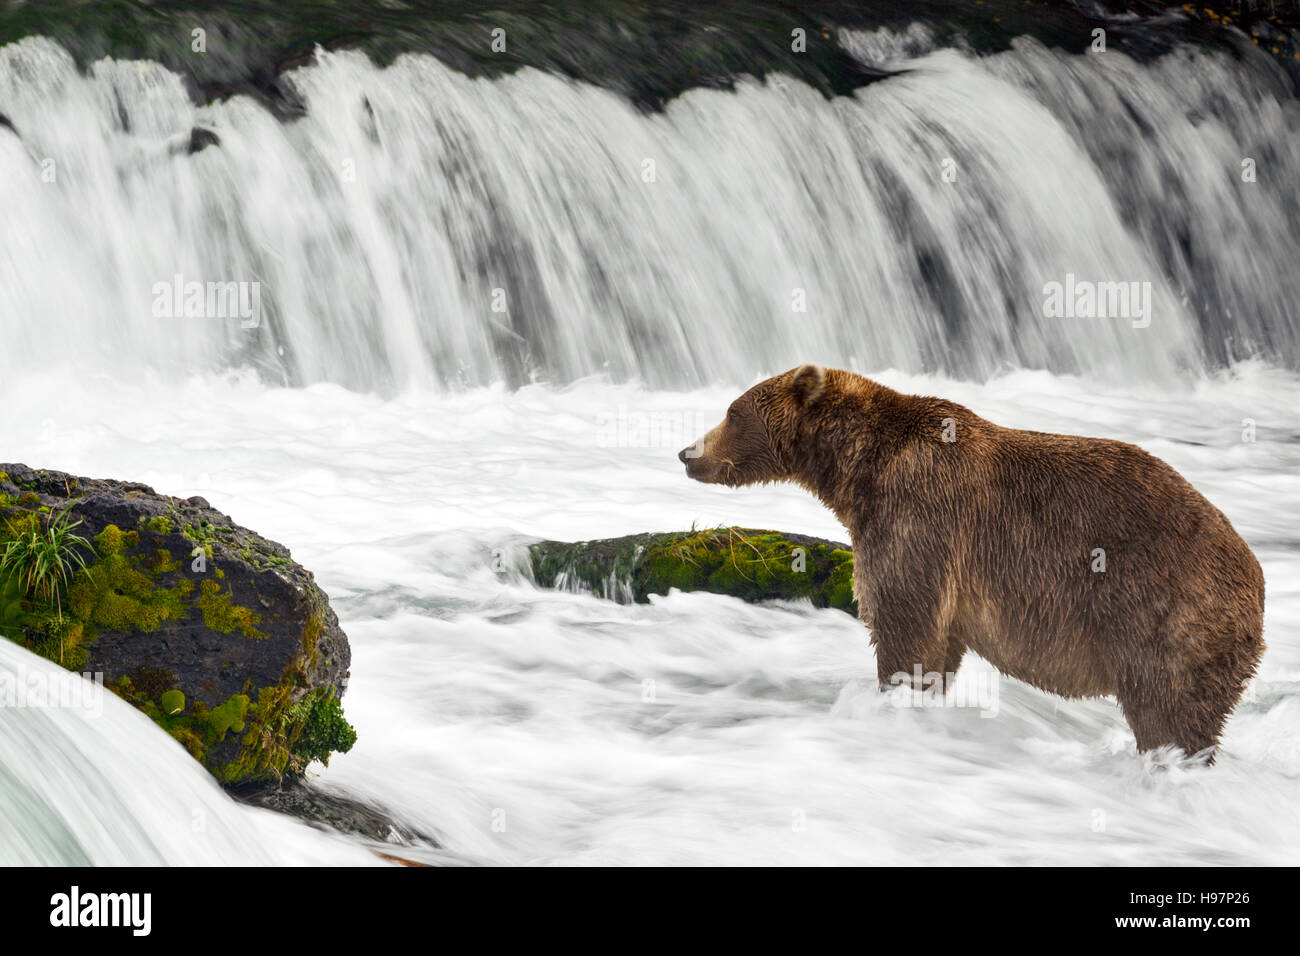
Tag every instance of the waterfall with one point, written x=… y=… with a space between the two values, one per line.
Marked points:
x=418 y=227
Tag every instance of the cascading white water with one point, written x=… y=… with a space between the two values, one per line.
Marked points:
x=85 y=779
x=419 y=227
x=1202 y=157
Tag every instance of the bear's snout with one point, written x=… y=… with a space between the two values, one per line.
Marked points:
x=699 y=461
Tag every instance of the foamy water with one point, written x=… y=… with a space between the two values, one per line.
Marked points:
x=529 y=726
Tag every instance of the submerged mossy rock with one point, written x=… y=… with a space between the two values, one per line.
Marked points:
x=210 y=629
x=742 y=562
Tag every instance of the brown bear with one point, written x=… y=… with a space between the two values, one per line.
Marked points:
x=1083 y=566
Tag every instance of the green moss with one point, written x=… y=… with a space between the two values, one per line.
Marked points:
x=191 y=740
x=164 y=563
x=62 y=640
x=257 y=557
x=839 y=584
x=220 y=614
x=264 y=749
x=752 y=565
x=228 y=716
x=324 y=729
x=284 y=734
x=203 y=730
x=151 y=682
x=297 y=672
x=114 y=541
x=113 y=593
x=30 y=500
x=15 y=614
x=311 y=633
x=204 y=534
x=161 y=524
x=259 y=734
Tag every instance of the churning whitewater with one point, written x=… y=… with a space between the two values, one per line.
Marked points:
x=517 y=724
x=401 y=435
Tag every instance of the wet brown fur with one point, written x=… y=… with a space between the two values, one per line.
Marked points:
x=986 y=543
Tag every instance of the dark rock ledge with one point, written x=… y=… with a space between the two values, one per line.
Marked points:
x=213 y=631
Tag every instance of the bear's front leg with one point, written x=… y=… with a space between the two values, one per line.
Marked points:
x=915 y=643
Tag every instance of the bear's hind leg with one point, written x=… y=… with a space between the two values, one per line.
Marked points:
x=1186 y=703
x=1159 y=718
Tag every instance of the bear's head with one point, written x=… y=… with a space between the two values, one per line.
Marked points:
x=757 y=441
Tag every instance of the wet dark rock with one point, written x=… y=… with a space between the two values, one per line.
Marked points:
x=176 y=596
x=332 y=811
x=201 y=139
x=753 y=565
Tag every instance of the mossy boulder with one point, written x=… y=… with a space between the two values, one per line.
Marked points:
x=209 y=628
x=746 y=563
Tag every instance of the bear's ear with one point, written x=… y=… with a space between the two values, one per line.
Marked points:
x=808 y=383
